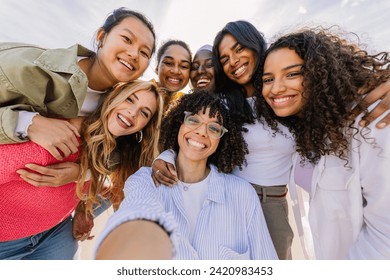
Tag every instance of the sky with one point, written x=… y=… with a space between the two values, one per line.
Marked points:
x=62 y=23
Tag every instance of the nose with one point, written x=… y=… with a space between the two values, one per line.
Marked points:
x=234 y=59
x=278 y=86
x=202 y=69
x=175 y=69
x=202 y=130
x=133 y=111
x=133 y=53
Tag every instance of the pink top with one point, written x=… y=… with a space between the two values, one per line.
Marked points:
x=27 y=210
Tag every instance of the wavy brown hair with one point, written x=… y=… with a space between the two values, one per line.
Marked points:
x=335 y=72
x=232 y=147
x=110 y=159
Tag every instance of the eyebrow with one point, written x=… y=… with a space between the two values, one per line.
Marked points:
x=132 y=34
x=170 y=57
x=231 y=48
x=147 y=108
x=286 y=68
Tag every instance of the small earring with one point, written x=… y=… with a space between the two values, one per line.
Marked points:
x=139 y=136
x=100 y=44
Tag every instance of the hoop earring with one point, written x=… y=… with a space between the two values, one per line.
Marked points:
x=139 y=136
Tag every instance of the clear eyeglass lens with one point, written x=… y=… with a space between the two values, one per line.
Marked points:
x=213 y=129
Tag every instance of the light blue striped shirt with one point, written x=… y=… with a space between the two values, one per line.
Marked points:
x=230 y=225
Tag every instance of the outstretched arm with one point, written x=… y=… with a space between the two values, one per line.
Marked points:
x=141 y=204
x=136 y=240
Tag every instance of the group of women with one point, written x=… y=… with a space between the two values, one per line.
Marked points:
x=83 y=126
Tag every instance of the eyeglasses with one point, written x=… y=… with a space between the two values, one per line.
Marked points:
x=193 y=121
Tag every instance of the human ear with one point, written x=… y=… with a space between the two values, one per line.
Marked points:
x=100 y=37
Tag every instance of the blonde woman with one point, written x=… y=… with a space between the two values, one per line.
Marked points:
x=116 y=140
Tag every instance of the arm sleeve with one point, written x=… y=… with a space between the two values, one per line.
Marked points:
x=9 y=117
x=373 y=241
x=24 y=121
x=168 y=156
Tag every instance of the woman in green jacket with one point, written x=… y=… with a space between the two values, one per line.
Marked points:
x=38 y=84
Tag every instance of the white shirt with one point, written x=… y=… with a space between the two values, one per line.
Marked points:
x=194 y=199
x=230 y=226
x=270 y=156
x=349 y=205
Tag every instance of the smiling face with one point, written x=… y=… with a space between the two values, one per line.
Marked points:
x=238 y=62
x=195 y=144
x=133 y=114
x=125 y=51
x=282 y=82
x=174 y=68
x=202 y=71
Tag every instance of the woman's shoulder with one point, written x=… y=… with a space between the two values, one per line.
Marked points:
x=142 y=175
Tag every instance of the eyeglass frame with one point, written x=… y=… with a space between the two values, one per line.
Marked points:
x=187 y=114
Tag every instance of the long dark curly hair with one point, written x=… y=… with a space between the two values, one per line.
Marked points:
x=232 y=147
x=335 y=73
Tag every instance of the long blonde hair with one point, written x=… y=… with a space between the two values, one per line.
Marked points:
x=110 y=159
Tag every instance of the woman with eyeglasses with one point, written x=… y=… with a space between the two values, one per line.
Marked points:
x=212 y=214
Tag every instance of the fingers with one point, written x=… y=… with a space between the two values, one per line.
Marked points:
x=34 y=179
x=172 y=170
x=64 y=149
x=56 y=136
x=382 y=93
x=164 y=178
x=373 y=115
x=383 y=122
x=43 y=170
x=74 y=130
x=54 y=175
x=83 y=236
x=155 y=181
x=54 y=152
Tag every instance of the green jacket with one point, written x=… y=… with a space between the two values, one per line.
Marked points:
x=48 y=81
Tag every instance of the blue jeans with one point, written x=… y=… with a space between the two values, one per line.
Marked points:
x=56 y=243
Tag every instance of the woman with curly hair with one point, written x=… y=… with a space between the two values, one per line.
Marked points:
x=238 y=55
x=311 y=84
x=120 y=137
x=211 y=214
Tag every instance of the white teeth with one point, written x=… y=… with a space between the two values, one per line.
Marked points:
x=126 y=64
x=240 y=70
x=174 y=81
x=282 y=99
x=195 y=143
x=203 y=82
x=124 y=120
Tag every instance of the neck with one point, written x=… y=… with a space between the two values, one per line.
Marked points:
x=91 y=68
x=250 y=90
x=191 y=171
